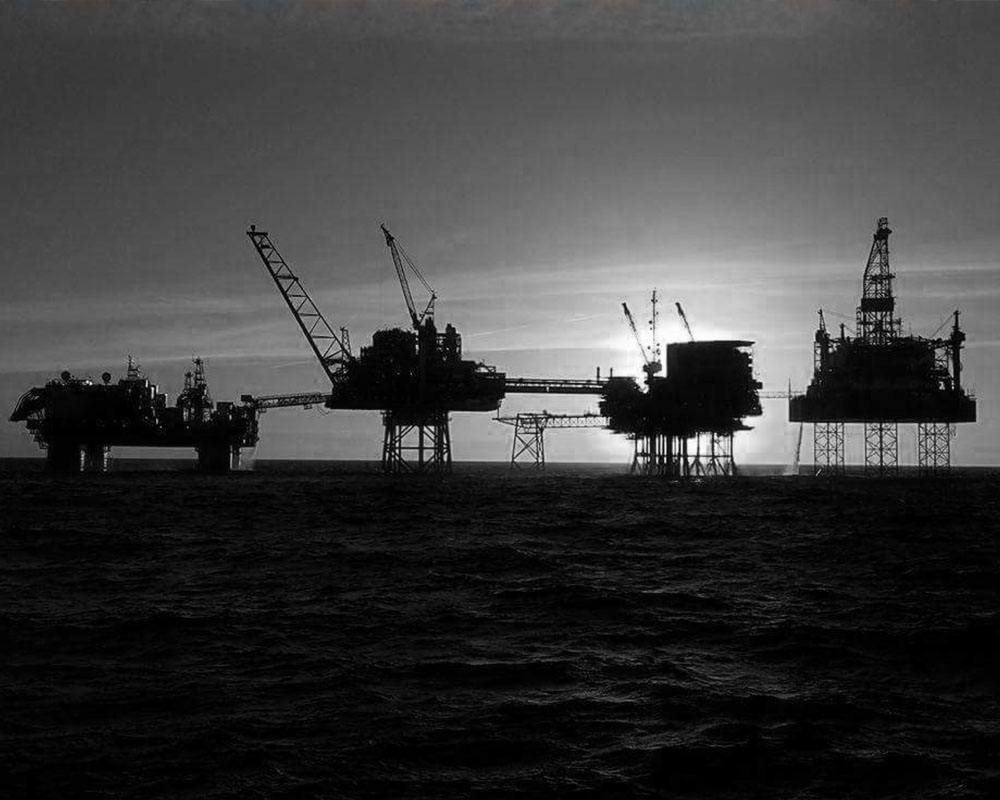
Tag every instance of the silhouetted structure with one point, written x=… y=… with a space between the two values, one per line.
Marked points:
x=683 y=424
x=528 y=448
x=415 y=377
x=77 y=421
x=880 y=378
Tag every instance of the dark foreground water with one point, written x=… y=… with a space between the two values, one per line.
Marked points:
x=310 y=633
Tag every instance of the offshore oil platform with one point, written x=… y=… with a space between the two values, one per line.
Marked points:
x=683 y=423
x=880 y=379
x=77 y=421
x=415 y=377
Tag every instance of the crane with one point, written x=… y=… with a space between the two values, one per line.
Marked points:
x=635 y=333
x=333 y=351
x=684 y=319
x=651 y=366
x=398 y=256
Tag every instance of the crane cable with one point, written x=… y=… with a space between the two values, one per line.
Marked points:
x=413 y=266
x=944 y=322
x=843 y=316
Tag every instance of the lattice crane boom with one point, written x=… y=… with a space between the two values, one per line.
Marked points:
x=398 y=257
x=333 y=351
x=635 y=333
x=684 y=319
x=652 y=363
x=303 y=400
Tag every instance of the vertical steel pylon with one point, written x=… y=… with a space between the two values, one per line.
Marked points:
x=722 y=463
x=881 y=449
x=933 y=448
x=828 y=448
x=528 y=449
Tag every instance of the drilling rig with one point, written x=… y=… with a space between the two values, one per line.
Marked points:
x=881 y=378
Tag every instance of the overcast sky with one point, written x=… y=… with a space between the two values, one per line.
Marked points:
x=541 y=161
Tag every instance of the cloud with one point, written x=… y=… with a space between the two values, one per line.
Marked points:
x=440 y=20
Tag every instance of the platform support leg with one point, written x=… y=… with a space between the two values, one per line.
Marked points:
x=713 y=456
x=676 y=457
x=528 y=449
x=96 y=457
x=701 y=464
x=933 y=448
x=645 y=459
x=881 y=449
x=218 y=457
x=722 y=464
x=418 y=442
x=828 y=448
x=636 y=467
x=668 y=455
x=64 y=456
x=652 y=454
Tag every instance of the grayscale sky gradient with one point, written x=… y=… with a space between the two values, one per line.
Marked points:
x=542 y=161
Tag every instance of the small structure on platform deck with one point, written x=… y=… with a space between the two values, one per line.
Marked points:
x=683 y=424
x=77 y=421
x=880 y=378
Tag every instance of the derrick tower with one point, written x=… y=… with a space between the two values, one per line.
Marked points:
x=876 y=321
x=880 y=379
